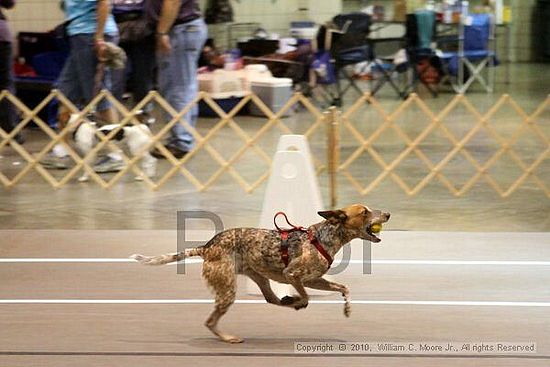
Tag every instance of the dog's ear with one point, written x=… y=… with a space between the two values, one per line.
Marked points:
x=334 y=216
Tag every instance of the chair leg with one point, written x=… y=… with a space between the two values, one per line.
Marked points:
x=337 y=100
x=351 y=84
x=475 y=74
x=387 y=78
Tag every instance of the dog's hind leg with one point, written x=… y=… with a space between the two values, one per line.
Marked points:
x=221 y=277
x=265 y=287
x=325 y=285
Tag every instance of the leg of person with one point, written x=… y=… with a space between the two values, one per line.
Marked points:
x=76 y=82
x=142 y=55
x=8 y=114
x=119 y=78
x=178 y=79
x=105 y=109
x=68 y=85
x=88 y=76
x=112 y=162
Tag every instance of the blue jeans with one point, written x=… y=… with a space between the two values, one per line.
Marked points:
x=77 y=79
x=177 y=76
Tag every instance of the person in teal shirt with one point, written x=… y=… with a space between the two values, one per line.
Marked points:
x=91 y=24
x=84 y=17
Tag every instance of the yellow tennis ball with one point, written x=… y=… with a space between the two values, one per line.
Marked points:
x=376 y=228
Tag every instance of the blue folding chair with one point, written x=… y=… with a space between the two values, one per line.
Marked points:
x=476 y=54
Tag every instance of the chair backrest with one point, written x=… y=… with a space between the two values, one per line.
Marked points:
x=356 y=22
x=421 y=29
x=477 y=32
x=346 y=31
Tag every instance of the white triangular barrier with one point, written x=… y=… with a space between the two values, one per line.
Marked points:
x=292 y=188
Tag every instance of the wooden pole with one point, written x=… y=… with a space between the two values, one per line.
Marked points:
x=333 y=143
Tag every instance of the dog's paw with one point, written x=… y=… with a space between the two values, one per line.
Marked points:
x=287 y=300
x=300 y=306
x=231 y=339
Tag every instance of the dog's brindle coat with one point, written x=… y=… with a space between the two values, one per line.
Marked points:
x=256 y=253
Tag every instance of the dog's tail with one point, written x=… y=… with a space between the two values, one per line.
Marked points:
x=166 y=258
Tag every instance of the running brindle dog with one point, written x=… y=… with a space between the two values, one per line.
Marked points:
x=257 y=253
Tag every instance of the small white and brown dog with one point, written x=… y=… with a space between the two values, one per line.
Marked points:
x=135 y=137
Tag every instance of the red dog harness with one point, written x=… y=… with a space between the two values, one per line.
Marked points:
x=311 y=237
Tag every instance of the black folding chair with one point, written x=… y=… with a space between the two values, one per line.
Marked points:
x=347 y=39
x=420 y=44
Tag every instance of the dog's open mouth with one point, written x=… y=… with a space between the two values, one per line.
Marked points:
x=371 y=236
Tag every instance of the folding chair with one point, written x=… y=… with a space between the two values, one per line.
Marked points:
x=347 y=40
x=389 y=67
x=476 y=52
x=420 y=44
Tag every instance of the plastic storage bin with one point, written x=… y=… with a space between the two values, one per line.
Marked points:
x=274 y=92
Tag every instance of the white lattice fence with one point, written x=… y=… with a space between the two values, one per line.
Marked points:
x=249 y=142
x=534 y=127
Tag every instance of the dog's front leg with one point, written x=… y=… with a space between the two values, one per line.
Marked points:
x=325 y=285
x=138 y=137
x=294 y=276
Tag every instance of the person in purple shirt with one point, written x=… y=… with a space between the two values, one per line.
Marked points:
x=180 y=37
x=8 y=115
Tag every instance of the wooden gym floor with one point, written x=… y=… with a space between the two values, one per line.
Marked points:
x=72 y=298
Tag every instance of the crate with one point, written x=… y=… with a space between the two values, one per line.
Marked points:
x=274 y=92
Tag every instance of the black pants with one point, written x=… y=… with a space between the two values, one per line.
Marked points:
x=8 y=116
x=141 y=64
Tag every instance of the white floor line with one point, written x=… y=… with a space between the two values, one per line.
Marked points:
x=65 y=260
x=257 y=301
x=381 y=261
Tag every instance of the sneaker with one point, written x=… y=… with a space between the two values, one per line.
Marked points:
x=108 y=164
x=176 y=152
x=19 y=139
x=52 y=161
